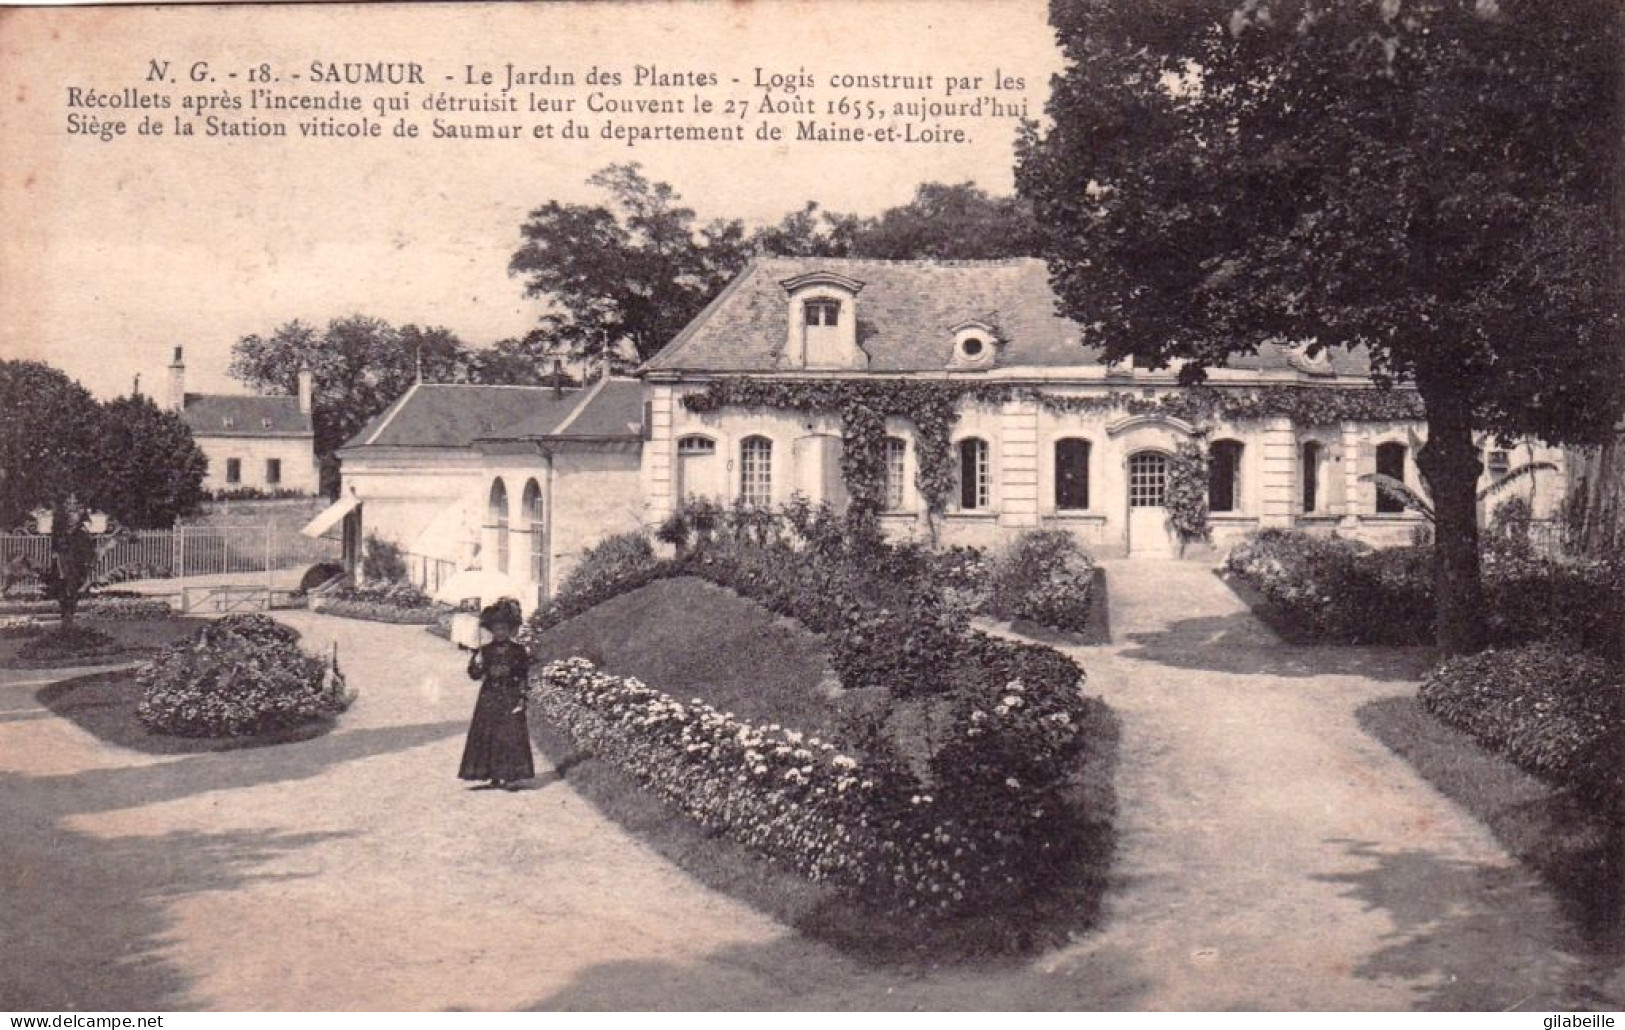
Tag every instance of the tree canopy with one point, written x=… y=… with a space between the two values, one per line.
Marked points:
x=359 y=365
x=152 y=470
x=1426 y=181
x=127 y=458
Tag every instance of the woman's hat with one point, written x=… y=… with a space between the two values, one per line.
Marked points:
x=504 y=612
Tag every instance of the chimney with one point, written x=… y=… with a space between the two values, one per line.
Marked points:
x=135 y=389
x=558 y=378
x=177 y=382
x=306 y=388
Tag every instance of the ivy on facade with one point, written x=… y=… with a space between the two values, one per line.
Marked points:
x=1185 y=494
x=932 y=406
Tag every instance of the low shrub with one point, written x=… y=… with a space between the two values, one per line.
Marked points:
x=240 y=675
x=74 y=642
x=1044 y=577
x=13 y=627
x=1340 y=590
x=382 y=561
x=608 y=562
x=1558 y=714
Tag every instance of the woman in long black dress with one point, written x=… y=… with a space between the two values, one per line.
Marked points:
x=498 y=747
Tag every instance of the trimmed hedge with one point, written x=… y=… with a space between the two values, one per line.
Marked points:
x=126 y=609
x=1556 y=714
x=239 y=675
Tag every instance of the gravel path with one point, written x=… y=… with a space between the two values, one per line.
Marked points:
x=1272 y=856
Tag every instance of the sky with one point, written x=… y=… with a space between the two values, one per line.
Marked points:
x=111 y=253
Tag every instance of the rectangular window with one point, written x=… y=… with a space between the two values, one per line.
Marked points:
x=974 y=488
x=1072 y=475
x=1224 y=476
x=1390 y=463
x=822 y=312
x=896 y=451
x=1499 y=463
x=273 y=471
x=234 y=470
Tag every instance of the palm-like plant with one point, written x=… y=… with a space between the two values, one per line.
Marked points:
x=1416 y=501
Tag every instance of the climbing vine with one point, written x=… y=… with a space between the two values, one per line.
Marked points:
x=1185 y=496
x=933 y=408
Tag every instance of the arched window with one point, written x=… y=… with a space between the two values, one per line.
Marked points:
x=1224 y=476
x=893 y=472
x=1071 y=475
x=975 y=475
x=1311 y=476
x=756 y=471
x=498 y=523
x=537 y=527
x=1390 y=463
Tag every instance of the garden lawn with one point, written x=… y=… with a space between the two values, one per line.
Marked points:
x=691 y=638
x=1542 y=825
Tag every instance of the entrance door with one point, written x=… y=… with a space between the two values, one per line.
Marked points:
x=1148 y=532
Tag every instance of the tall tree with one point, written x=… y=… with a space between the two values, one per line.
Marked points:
x=359 y=365
x=958 y=221
x=151 y=469
x=49 y=431
x=630 y=272
x=1428 y=180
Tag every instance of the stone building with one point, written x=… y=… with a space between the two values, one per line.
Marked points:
x=252 y=442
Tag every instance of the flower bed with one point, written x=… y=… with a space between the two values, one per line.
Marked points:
x=126 y=609
x=1556 y=714
x=73 y=646
x=979 y=835
x=13 y=627
x=965 y=755
x=390 y=602
x=240 y=675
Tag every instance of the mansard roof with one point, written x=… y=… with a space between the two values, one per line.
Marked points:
x=907 y=314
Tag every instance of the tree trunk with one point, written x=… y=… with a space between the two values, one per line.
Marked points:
x=1449 y=462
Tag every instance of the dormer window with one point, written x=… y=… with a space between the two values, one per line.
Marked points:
x=821 y=333
x=1315 y=362
x=972 y=347
x=822 y=312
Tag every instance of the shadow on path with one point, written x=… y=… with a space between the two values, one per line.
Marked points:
x=86 y=922
x=1458 y=927
x=1236 y=643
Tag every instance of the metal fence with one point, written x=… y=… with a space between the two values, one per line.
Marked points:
x=186 y=551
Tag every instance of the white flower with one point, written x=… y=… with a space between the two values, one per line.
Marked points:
x=1012 y=783
x=843 y=762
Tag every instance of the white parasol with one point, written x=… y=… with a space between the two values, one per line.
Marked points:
x=482 y=584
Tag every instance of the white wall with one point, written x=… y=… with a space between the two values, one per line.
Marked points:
x=298 y=458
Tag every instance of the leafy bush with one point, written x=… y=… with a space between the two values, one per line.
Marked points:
x=382 y=561
x=240 y=675
x=1044 y=577
x=398 y=602
x=13 y=627
x=1340 y=590
x=1557 y=714
x=610 y=560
